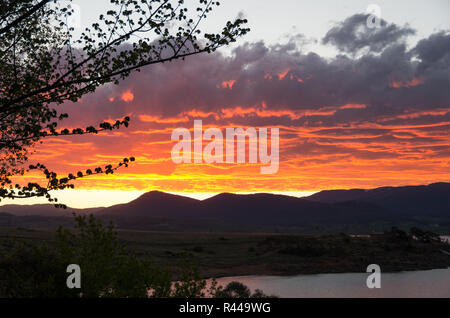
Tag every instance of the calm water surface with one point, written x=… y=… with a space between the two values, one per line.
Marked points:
x=429 y=283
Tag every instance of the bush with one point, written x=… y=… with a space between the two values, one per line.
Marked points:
x=238 y=290
x=424 y=236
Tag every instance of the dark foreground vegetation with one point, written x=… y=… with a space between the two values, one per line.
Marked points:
x=141 y=263
x=29 y=268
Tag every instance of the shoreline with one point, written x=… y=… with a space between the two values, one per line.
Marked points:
x=240 y=273
x=295 y=275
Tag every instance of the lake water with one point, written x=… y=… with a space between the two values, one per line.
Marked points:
x=429 y=283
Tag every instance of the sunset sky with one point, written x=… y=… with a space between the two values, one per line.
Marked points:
x=356 y=107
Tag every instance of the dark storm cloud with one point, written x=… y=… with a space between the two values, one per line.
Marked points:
x=434 y=55
x=281 y=85
x=352 y=34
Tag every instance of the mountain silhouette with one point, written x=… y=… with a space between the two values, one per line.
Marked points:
x=240 y=212
x=43 y=210
x=155 y=204
x=261 y=211
x=256 y=209
x=424 y=200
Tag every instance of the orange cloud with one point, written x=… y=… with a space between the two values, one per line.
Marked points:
x=283 y=74
x=311 y=158
x=127 y=96
x=353 y=106
x=228 y=84
x=414 y=82
x=156 y=119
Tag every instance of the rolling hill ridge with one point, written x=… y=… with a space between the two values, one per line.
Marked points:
x=157 y=210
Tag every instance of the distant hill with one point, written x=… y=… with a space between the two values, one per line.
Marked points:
x=38 y=215
x=240 y=211
x=263 y=208
x=155 y=204
x=262 y=211
x=414 y=201
x=43 y=210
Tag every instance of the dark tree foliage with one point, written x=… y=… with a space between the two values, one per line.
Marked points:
x=236 y=289
x=425 y=236
x=43 y=64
